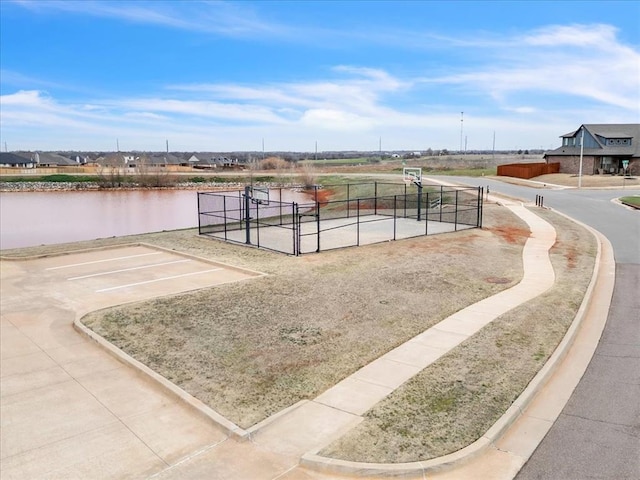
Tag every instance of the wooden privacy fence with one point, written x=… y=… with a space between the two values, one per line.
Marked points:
x=527 y=170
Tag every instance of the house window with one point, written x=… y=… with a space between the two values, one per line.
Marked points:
x=619 y=142
x=608 y=165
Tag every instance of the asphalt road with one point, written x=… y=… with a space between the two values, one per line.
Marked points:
x=597 y=435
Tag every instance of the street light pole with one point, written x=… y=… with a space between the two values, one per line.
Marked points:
x=581 y=154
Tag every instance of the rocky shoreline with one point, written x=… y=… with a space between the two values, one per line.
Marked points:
x=94 y=186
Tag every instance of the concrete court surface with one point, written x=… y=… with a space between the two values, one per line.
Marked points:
x=69 y=409
x=341 y=232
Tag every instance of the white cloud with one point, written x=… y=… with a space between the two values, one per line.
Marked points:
x=533 y=88
x=215 y=17
x=596 y=67
x=592 y=36
x=327 y=119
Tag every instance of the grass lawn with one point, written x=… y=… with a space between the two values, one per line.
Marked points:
x=635 y=201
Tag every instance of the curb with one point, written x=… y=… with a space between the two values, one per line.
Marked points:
x=314 y=461
x=208 y=414
x=68 y=252
x=205 y=412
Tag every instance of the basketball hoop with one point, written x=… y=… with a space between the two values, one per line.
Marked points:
x=259 y=195
x=412 y=175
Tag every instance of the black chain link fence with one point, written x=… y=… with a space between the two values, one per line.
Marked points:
x=336 y=216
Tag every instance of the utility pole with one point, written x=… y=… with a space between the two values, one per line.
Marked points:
x=316 y=154
x=461 y=129
x=118 y=145
x=167 y=146
x=493 y=149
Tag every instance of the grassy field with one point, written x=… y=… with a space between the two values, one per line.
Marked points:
x=336 y=162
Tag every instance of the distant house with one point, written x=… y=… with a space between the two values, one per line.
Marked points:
x=164 y=160
x=203 y=161
x=48 y=159
x=8 y=159
x=607 y=149
x=206 y=161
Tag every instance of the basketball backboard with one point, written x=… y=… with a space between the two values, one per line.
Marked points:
x=260 y=195
x=412 y=174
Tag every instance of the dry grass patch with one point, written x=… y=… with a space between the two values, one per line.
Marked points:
x=251 y=349
x=454 y=401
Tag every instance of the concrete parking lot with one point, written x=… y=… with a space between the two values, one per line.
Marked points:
x=69 y=409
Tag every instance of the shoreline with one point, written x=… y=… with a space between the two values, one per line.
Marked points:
x=17 y=187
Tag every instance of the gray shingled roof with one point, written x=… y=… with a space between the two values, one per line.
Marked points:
x=605 y=130
x=8 y=158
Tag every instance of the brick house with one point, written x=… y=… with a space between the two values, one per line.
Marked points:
x=607 y=148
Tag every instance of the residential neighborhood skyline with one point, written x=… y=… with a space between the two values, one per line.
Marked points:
x=300 y=76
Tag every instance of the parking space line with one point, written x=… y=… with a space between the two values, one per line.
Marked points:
x=105 y=260
x=157 y=280
x=127 y=269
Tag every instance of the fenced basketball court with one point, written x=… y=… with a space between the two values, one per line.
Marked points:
x=337 y=216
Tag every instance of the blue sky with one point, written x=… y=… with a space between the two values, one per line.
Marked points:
x=224 y=76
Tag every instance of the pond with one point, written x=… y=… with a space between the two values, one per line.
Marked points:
x=45 y=218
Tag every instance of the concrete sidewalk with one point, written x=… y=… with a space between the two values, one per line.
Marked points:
x=135 y=428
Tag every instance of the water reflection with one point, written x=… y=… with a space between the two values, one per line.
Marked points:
x=46 y=218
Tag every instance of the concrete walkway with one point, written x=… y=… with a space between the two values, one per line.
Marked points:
x=70 y=410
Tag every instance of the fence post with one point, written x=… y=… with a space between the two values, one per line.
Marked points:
x=224 y=212
x=375 y=196
x=296 y=229
x=358 y=222
x=199 y=226
x=441 y=202
x=419 y=199
x=455 y=222
x=247 y=208
x=395 y=216
x=348 y=200
x=258 y=223
x=404 y=211
x=426 y=215
x=318 y=225
x=480 y=207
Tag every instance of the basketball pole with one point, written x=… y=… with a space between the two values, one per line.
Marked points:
x=419 y=185
x=247 y=206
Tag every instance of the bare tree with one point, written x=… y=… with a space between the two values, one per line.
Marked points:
x=112 y=170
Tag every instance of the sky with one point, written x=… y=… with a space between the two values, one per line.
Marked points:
x=311 y=76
